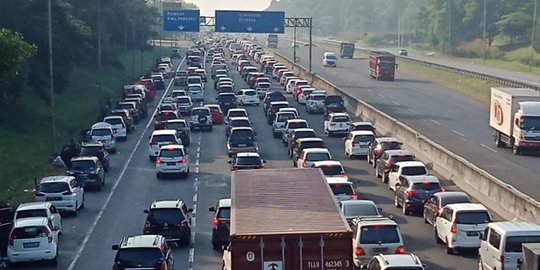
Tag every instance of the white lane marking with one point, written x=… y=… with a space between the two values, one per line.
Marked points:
x=458 y=133
x=435 y=122
x=198 y=155
x=197 y=162
x=411 y=110
x=379 y=95
x=113 y=189
x=198 y=149
x=395 y=103
x=488 y=148
x=197 y=170
x=194 y=209
x=193 y=222
x=195 y=198
x=191 y=255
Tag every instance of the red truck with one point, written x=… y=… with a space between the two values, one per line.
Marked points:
x=286 y=219
x=382 y=65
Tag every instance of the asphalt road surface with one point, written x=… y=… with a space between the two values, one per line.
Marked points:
x=451 y=119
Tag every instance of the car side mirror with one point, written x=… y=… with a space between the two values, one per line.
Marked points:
x=225 y=248
x=482 y=236
x=145 y=211
x=115 y=247
x=212 y=209
x=344 y=138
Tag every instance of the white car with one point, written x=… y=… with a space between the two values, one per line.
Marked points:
x=63 y=191
x=196 y=92
x=410 y=168
x=331 y=169
x=166 y=70
x=118 y=126
x=336 y=123
x=315 y=103
x=290 y=85
x=33 y=239
x=103 y=132
x=460 y=224
x=235 y=112
x=284 y=76
x=301 y=97
x=160 y=138
x=311 y=155
x=290 y=125
x=247 y=97
x=357 y=143
x=39 y=209
x=172 y=159
x=278 y=126
x=290 y=109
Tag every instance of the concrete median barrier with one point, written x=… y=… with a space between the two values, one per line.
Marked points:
x=507 y=201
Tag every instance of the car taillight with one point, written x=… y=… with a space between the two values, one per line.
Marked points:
x=159 y=161
x=409 y=193
x=304 y=164
x=11 y=239
x=389 y=164
x=183 y=160
x=39 y=194
x=115 y=266
x=453 y=229
x=67 y=192
x=400 y=250
x=163 y=266
x=216 y=221
x=359 y=251
x=344 y=175
x=354 y=196
x=49 y=234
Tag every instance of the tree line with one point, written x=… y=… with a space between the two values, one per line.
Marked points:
x=444 y=25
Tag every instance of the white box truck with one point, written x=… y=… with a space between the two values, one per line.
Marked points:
x=514 y=114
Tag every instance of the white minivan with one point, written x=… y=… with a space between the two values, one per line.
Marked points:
x=118 y=126
x=103 y=132
x=357 y=143
x=329 y=59
x=500 y=244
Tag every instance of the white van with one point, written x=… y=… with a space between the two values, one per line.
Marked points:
x=118 y=125
x=103 y=132
x=195 y=80
x=357 y=142
x=329 y=59
x=500 y=243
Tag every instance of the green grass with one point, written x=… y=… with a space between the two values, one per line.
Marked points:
x=25 y=138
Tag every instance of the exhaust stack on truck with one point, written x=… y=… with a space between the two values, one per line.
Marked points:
x=276 y=225
x=514 y=114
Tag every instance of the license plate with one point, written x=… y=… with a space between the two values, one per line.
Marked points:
x=53 y=199
x=242 y=145
x=379 y=250
x=171 y=163
x=31 y=245
x=473 y=233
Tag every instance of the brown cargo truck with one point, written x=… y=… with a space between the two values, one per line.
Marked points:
x=382 y=65
x=286 y=219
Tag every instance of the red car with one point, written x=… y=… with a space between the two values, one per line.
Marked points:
x=217 y=114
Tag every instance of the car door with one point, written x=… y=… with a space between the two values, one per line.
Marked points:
x=55 y=230
x=400 y=191
x=393 y=176
x=348 y=143
x=78 y=190
x=443 y=223
x=380 y=163
x=429 y=208
x=55 y=217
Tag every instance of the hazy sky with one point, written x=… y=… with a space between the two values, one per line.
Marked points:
x=209 y=6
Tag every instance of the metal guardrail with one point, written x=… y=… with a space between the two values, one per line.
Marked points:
x=473 y=74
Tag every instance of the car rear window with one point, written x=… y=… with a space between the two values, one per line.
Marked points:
x=171 y=153
x=342 y=189
x=53 y=187
x=414 y=170
x=301 y=124
x=240 y=123
x=226 y=98
x=166 y=116
x=312 y=144
x=83 y=164
x=248 y=161
x=250 y=93
x=166 y=215
x=182 y=100
x=29 y=232
x=379 y=234
x=163 y=138
x=31 y=213
x=514 y=243
x=341 y=119
x=285 y=116
x=224 y=212
x=241 y=135
x=90 y=150
x=363 y=127
x=390 y=145
x=360 y=210
x=472 y=217
x=263 y=85
x=114 y=121
x=237 y=114
x=226 y=88
x=363 y=138
x=318 y=97
x=332 y=169
x=305 y=134
x=426 y=186
x=176 y=125
x=317 y=156
x=402 y=158
x=100 y=132
x=139 y=257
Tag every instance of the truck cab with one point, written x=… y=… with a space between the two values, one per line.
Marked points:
x=346 y=50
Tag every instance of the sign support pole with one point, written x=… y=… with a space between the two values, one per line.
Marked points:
x=310 y=41
x=294 y=44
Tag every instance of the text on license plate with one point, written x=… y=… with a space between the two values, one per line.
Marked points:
x=31 y=245
x=473 y=233
x=171 y=163
x=54 y=198
x=377 y=250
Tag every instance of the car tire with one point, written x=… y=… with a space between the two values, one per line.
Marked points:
x=210 y=128
x=377 y=174
x=276 y=135
x=216 y=246
x=437 y=239
x=368 y=159
x=424 y=217
x=373 y=163
x=384 y=177
x=396 y=203
x=404 y=210
x=449 y=250
x=54 y=261
x=159 y=176
x=82 y=204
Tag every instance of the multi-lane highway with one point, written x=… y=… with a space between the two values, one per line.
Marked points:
x=449 y=118
x=132 y=186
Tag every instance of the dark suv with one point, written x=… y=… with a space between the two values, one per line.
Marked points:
x=182 y=129
x=305 y=143
x=88 y=171
x=388 y=159
x=172 y=219
x=413 y=191
x=143 y=252
x=96 y=149
x=221 y=220
x=377 y=147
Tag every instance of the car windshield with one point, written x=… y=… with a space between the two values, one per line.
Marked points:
x=163 y=138
x=332 y=169
x=530 y=123
x=90 y=150
x=472 y=217
x=331 y=57
x=139 y=257
x=31 y=213
x=83 y=165
x=273 y=98
x=379 y=234
x=318 y=97
x=53 y=187
x=176 y=125
x=342 y=189
x=29 y=232
x=414 y=170
x=429 y=186
x=248 y=161
x=100 y=132
x=171 y=153
x=166 y=215
x=240 y=123
x=317 y=156
x=224 y=212
x=514 y=243
x=114 y=121
x=226 y=88
x=360 y=210
x=341 y=119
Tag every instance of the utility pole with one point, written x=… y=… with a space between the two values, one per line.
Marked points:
x=449 y=46
x=310 y=41
x=100 y=93
x=484 y=35
x=532 y=35
x=294 y=43
x=51 y=78
x=132 y=48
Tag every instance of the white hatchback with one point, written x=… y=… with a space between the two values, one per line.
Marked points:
x=33 y=239
x=357 y=143
x=247 y=97
x=172 y=159
x=311 y=155
x=160 y=138
x=118 y=126
x=63 y=191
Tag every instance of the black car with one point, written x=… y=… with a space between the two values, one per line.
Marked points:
x=226 y=101
x=221 y=221
x=180 y=78
x=162 y=117
x=273 y=108
x=172 y=219
x=88 y=171
x=386 y=162
x=96 y=149
x=377 y=147
x=413 y=191
x=434 y=205
x=299 y=133
x=305 y=143
x=333 y=104
x=182 y=130
x=159 y=83
x=271 y=97
x=143 y=252
x=128 y=120
x=246 y=161
x=175 y=53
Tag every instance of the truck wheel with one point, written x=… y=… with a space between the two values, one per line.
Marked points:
x=498 y=141
x=516 y=150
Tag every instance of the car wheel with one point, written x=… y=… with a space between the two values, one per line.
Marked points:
x=437 y=239
x=425 y=217
x=373 y=162
x=377 y=174
x=158 y=175
x=396 y=203
x=384 y=177
x=368 y=159
x=405 y=210
x=216 y=246
x=54 y=261
x=449 y=250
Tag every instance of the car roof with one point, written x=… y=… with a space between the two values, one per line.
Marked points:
x=101 y=125
x=30 y=221
x=237 y=110
x=317 y=150
x=241 y=128
x=57 y=178
x=164 y=132
x=516 y=226
x=33 y=205
x=451 y=194
x=410 y=163
x=113 y=117
x=422 y=179
x=310 y=139
x=396 y=152
x=358 y=202
x=362 y=132
x=200 y=108
x=95 y=159
x=279 y=103
x=167 y=204
x=303 y=129
x=224 y=202
x=239 y=118
x=176 y=121
x=376 y=221
x=247 y=154
x=387 y=139
x=327 y=163
x=400 y=260
x=297 y=120
x=171 y=147
x=138 y=241
x=466 y=206
x=339 y=114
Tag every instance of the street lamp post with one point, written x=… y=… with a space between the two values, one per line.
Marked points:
x=532 y=35
x=51 y=77
x=484 y=34
x=99 y=52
